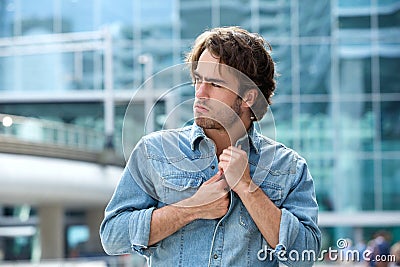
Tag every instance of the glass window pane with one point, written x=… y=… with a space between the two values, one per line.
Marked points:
x=120 y=12
x=353 y=182
x=156 y=19
x=38 y=9
x=77 y=235
x=315 y=71
x=357 y=126
x=274 y=18
x=37 y=16
x=365 y=169
x=124 y=70
x=355 y=75
x=314 y=17
x=235 y=13
x=391 y=184
x=195 y=17
x=321 y=169
x=282 y=113
x=6 y=77
x=7 y=14
x=120 y=109
x=354 y=3
x=389 y=20
x=389 y=72
x=159 y=115
x=152 y=58
x=316 y=133
x=37 y=72
x=355 y=22
x=55 y=72
x=92 y=70
x=73 y=23
x=390 y=126
x=282 y=56
x=133 y=125
x=387 y=2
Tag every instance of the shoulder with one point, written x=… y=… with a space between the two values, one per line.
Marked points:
x=163 y=141
x=282 y=159
x=166 y=135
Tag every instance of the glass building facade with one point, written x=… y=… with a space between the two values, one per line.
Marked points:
x=337 y=102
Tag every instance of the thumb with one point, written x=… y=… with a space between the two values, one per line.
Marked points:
x=215 y=178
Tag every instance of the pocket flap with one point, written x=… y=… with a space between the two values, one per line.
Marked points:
x=181 y=182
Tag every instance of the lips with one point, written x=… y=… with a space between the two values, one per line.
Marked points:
x=200 y=108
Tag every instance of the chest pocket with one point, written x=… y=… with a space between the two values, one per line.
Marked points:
x=176 y=186
x=179 y=177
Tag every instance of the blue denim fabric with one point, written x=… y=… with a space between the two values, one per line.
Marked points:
x=168 y=166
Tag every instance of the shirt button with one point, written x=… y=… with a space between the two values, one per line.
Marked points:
x=212 y=167
x=215 y=256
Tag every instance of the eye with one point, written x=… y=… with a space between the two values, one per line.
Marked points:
x=216 y=85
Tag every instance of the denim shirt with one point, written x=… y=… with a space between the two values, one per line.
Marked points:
x=168 y=166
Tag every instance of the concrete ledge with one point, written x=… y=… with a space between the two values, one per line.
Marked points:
x=43 y=180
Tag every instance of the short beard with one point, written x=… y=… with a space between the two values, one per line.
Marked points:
x=227 y=121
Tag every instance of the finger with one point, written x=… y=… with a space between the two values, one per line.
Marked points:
x=237 y=149
x=222 y=165
x=224 y=157
x=232 y=150
x=215 y=178
x=229 y=156
x=223 y=185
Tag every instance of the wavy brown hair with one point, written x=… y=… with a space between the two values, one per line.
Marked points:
x=246 y=52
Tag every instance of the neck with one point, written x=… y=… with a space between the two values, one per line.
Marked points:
x=227 y=137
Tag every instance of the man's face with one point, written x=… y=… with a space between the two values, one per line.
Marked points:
x=217 y=105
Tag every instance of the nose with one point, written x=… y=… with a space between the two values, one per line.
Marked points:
x=201 y=89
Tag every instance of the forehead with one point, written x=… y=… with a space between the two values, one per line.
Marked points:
x=210 y=69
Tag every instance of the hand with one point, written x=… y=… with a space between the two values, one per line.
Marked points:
x=211 y=201
x=233 y=162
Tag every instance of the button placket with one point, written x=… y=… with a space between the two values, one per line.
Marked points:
x=218 y=245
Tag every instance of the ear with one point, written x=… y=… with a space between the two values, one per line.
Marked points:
x=249 y=98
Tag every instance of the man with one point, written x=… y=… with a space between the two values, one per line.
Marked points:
x=217 y=193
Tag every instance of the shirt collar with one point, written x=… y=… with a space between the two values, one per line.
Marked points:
x=254 y=139
x=197 y=134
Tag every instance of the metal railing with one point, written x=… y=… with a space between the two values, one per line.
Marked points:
x=48 y=132
x=45 y=138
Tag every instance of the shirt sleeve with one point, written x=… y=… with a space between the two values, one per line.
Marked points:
x=126 y=224
x=299 y=235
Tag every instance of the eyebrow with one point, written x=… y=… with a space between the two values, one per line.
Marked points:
x=210 y=80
